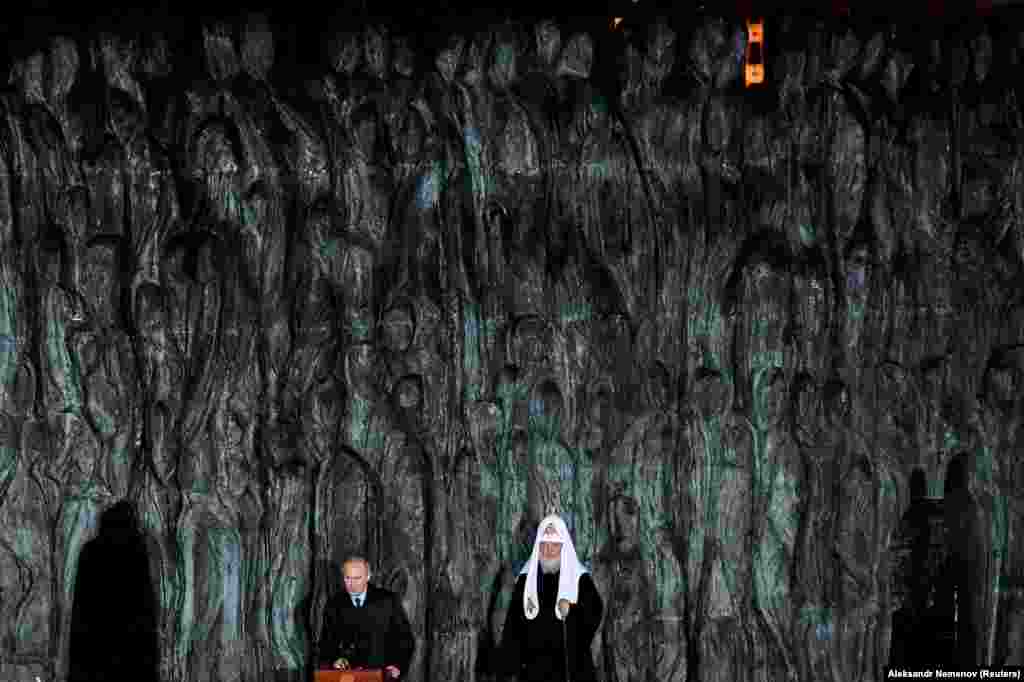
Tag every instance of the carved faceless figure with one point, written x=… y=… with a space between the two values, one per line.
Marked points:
x=126 y=119
x=357 y=278
x=449 y=59
x=614 y=338
x=502 y=71
x=1001 y=386
x=658 y=393
x=897 y=404
x=376 y=52
x=624 y=525
x=313 y=259
x=627 y=636
x=858 y=272
x=531 y=345
x=73 y=218
x=64 y=63
x=548 y=40
x=982 y=49
x=546 y=408
x=236 y=471
x=397 y=329
x=27 y=75
x=659 y=441
x=813 y=317
x=361 y=371
x=507 y=387
x=322 y=410
x=255 y=209
x=100 y=285
x=552 y=465
x=711 y=393
x=808 y=410
x=220 y=168
x=615 y=221
x=761 y=295
x=837 y=402
x=408 y=400
x=597 y=425
x=770 y=398
x=345 y=53
x=516 y=494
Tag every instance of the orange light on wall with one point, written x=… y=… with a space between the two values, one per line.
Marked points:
x=753 y=73
x=615 y=22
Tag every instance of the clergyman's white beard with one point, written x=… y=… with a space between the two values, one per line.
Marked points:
x=550 y=565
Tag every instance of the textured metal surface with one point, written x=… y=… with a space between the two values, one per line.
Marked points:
x=407 y=313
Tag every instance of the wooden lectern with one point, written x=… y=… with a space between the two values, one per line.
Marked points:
x=348 y=676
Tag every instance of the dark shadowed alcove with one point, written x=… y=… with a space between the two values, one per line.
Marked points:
x=967 y=565
x=922 y=622
x=936 y=573
x=113 y=619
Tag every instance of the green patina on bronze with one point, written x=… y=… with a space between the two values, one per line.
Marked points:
x=245 y=531
x=8 y=328
x=472 y=361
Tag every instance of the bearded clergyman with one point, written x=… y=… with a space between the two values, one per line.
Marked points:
x=554 y=615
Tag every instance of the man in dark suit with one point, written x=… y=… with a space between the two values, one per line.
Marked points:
x=365 y=626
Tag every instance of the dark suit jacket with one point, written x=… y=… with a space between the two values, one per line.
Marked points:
x=373 y=636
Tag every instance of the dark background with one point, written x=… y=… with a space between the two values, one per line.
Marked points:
x=428 y=24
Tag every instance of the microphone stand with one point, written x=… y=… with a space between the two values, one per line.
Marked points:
x=565 y=648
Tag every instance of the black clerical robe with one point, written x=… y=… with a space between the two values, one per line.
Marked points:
x=533 y=651
x=375 y=635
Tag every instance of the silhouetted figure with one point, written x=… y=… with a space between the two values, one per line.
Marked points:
x=113 y=620
x=966 y=563
x=924 y=619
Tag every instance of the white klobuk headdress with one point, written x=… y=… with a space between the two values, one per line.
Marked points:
x=552 y=529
